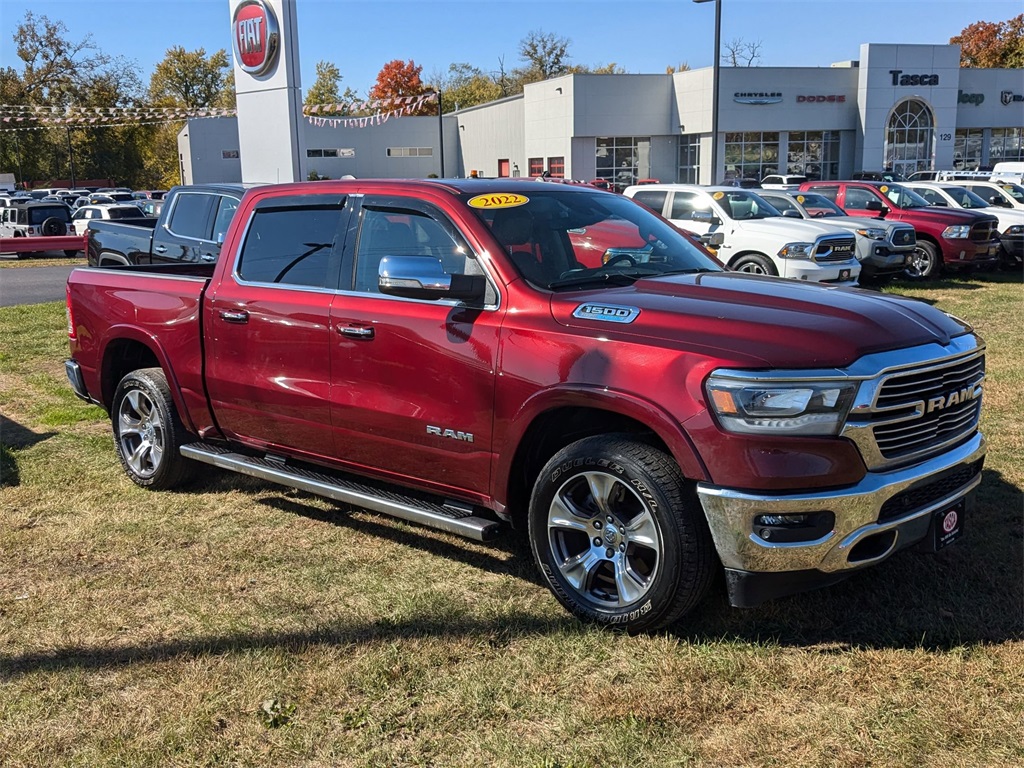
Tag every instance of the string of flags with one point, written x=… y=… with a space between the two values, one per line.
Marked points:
x=28 y=117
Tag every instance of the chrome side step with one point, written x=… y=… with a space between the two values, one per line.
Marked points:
x=451 y=517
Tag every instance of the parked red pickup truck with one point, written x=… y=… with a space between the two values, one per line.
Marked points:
x=945 y=237
x=451 y=353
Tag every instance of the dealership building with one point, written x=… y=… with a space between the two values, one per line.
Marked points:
x=899 y=107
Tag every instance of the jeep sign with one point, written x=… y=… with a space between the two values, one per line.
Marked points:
x=256 y=36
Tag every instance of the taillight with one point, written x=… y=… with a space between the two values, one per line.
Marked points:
x=72 y=334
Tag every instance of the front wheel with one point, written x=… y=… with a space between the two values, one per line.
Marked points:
x=924 y=263
x=71 y=254
x=619 y=535
x=755 y=264
x=148 y=433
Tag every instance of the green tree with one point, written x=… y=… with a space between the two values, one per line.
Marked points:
x=464 y=85
x=325 y=89
x=545 y=55
x=992 y=45
x=190 y=78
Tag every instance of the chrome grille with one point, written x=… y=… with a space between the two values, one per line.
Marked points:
x=984 y=231
x=928 y=408
x=830 y=249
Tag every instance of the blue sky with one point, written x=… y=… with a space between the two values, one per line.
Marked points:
x=643 y=36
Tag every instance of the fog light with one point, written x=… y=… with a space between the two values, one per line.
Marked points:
x=780 y=520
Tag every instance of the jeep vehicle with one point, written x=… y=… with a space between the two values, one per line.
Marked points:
x=33 y=220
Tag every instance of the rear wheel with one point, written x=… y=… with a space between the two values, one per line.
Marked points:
x=148 y=433
x=755 y=264
x=924 y=263
x=619 y=535
x=71 y=254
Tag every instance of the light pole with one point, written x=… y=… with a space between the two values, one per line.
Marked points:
x=715 y=86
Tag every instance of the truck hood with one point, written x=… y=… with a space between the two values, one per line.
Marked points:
x=759 y=322
x=942 y=216
x=863 y=222
x=786 y=229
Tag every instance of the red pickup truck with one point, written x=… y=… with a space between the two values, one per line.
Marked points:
x=455 y=353
x=945 y=237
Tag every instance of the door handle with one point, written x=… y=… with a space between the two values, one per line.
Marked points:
x=229 y=316
x=160 y=248
x=208 y=257
x=356 y=332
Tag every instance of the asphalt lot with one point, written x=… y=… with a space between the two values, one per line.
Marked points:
x=32 y=285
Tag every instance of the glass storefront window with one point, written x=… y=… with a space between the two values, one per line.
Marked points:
x=909 y=138
x=814 y=154
x=967 y=149
x=689 y=159
x=751 y=155
x=621 y=160
x=1007 y=144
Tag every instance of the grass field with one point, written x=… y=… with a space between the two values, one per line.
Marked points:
x=237 y=623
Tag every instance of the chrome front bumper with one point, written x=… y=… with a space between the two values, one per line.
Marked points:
x=857 y=510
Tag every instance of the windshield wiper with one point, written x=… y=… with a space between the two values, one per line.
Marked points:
x=617 y=278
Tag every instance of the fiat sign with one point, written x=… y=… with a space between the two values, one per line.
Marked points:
x=255 y=32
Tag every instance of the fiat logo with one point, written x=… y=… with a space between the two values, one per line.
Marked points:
x=257 y=36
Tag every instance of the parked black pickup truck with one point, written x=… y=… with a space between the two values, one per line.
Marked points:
x=190 y=228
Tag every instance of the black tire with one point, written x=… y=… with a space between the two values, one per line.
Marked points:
x=52 y=227
x=619 y=535
x=148 y=434
x=755 y=264
x=71 y=254
x=924 y=263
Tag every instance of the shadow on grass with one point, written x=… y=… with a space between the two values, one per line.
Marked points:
x=14 y=435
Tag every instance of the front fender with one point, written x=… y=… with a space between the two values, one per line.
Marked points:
x=645 y=412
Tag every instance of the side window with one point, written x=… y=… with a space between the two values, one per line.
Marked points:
x=685 y=203
x=292 y=246
x=858 y=199
x=782 y=203
x=191 y=216
x=226 y=207
x=931 y=196
x=832 y=193
x=652 y=198
x=387 y=231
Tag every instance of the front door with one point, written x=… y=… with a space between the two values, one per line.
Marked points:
x=413 y=380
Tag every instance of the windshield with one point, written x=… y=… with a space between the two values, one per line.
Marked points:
x=902 y=197
x=819 y=206
x=965 y=198
x=560 y=238
x=1014 y=190
x=745 y=205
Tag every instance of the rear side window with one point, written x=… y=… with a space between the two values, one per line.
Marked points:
x=857 y=198
x=652 y=198
x=126 y=213
x=293 y=246
x=226 y=207
x=191 y=216
x=831 y=193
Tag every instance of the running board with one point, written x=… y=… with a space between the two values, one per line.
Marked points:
x=452 y=517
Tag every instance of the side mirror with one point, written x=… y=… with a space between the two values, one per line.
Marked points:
x=422 y=277
x=791 y=214
x=873 y=205
x=999 y=200
x=940 y=203
x=713 y=239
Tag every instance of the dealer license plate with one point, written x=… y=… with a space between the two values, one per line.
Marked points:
x=844 y=274
x=947 y=526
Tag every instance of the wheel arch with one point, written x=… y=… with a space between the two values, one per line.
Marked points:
x=129 y=350
x=549 y=422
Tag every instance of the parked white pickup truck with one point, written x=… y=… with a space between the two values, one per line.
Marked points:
x=752 y=236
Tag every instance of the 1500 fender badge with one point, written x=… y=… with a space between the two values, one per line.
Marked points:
x=609 y=313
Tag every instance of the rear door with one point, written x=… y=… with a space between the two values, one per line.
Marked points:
x=268 y=326
x=413 y=380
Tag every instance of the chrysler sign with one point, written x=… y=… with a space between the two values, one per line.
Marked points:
x=256 y=36
x=757 y=97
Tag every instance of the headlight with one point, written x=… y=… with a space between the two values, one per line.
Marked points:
x=780 y=407
x=872 y=234
x=1016 y=229
x=796 y=251
x=958 y=232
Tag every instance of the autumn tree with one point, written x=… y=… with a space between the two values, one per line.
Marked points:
x=992 y=45
x=398 y=78
x=58 y=70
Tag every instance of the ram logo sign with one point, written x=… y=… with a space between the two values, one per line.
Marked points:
x=953 y=398
x=256 y=37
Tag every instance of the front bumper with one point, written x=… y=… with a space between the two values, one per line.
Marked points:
x=884 y=260
x=883 y=513
x=834 y=273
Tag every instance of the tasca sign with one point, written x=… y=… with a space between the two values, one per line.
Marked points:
x=257 y=37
